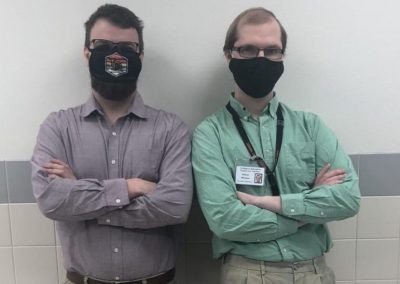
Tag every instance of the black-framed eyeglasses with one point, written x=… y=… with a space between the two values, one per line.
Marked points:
x=108 y=44
x=251 y=51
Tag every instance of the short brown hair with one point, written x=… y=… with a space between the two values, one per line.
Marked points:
x=255 y=16
x=118 y=16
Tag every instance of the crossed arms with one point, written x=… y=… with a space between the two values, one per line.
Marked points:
x=333 y=196
x=130 y=203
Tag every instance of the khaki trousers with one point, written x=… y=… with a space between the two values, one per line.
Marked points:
x=69 y=282
x=241 y=270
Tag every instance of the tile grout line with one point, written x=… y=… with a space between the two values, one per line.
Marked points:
x=356 y=247
x=58 y=272
x=9 y=217
x=357 y=218
x=398 y=257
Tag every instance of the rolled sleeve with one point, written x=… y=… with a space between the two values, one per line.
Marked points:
x=293 y=204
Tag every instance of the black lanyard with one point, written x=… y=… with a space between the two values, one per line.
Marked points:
x=253 y=156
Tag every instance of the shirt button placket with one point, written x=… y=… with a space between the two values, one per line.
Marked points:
x=113 y=153
x=114 y=162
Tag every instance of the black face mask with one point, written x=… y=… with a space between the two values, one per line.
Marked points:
x=257 y=76
x=114 y=73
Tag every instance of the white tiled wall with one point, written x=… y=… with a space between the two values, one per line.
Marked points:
x=29 y=227
x=5 y=233
x=366 y=247
x=27 y=246
x=35 y=264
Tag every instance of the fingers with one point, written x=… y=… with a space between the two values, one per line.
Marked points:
x=55 y=171
x=334 y=180
x=333 y=173
x=58 y=168
x=53 y=166
x=329 y=177
x=58 y=162
x=324 y=170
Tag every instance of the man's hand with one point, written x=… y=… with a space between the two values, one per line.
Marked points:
x=138 y=187
x=57 y=168
x=327 y=177
x=271 y=203
x=245 y=197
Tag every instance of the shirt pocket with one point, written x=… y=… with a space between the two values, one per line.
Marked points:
x=300 y=162
x=142 y=163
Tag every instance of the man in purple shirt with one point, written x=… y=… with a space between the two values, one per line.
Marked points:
x=114 y=173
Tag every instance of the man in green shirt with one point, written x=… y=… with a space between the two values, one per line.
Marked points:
x=269 y=178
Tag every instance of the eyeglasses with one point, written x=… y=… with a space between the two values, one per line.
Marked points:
x=107 y=45
x=251 y=51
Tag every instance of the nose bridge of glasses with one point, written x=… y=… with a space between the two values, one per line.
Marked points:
x=260 y=52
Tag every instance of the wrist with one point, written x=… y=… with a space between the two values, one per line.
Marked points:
x=133 y=189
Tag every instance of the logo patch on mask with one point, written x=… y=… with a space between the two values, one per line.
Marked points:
x=116 y=64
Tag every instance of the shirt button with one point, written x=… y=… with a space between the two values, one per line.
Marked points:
x=284 y=250
x=118 y=200
x=116 y=250
x=113 y=162
x=322 y=213
x=114 y=133
x=108 y=221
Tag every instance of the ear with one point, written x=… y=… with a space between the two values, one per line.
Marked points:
x=86 y=55
x=228 y=55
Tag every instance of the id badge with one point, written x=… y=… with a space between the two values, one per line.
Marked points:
x=248 y=172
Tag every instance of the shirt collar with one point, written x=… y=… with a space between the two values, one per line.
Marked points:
x=136 y=108
x=270 y=109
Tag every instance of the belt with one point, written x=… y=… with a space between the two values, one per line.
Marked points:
x=164 y=278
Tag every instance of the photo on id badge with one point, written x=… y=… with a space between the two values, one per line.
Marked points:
x=248 y=172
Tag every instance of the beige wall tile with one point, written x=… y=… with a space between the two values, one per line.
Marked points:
x=377 y=282
x=6 y=266
x=343 y=250
x=5 y=230
x=345 y=229
x=377 y=259
x=57 y=237
x=60 y=266
x=29 y=227
x=35 y=265
x=379 y=217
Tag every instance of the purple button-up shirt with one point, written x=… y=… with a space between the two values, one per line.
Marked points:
x=103 y=234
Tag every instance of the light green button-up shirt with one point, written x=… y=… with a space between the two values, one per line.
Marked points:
x=258 y=233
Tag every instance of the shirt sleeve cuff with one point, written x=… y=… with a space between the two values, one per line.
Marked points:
x=116 y=191
x=292 y=204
